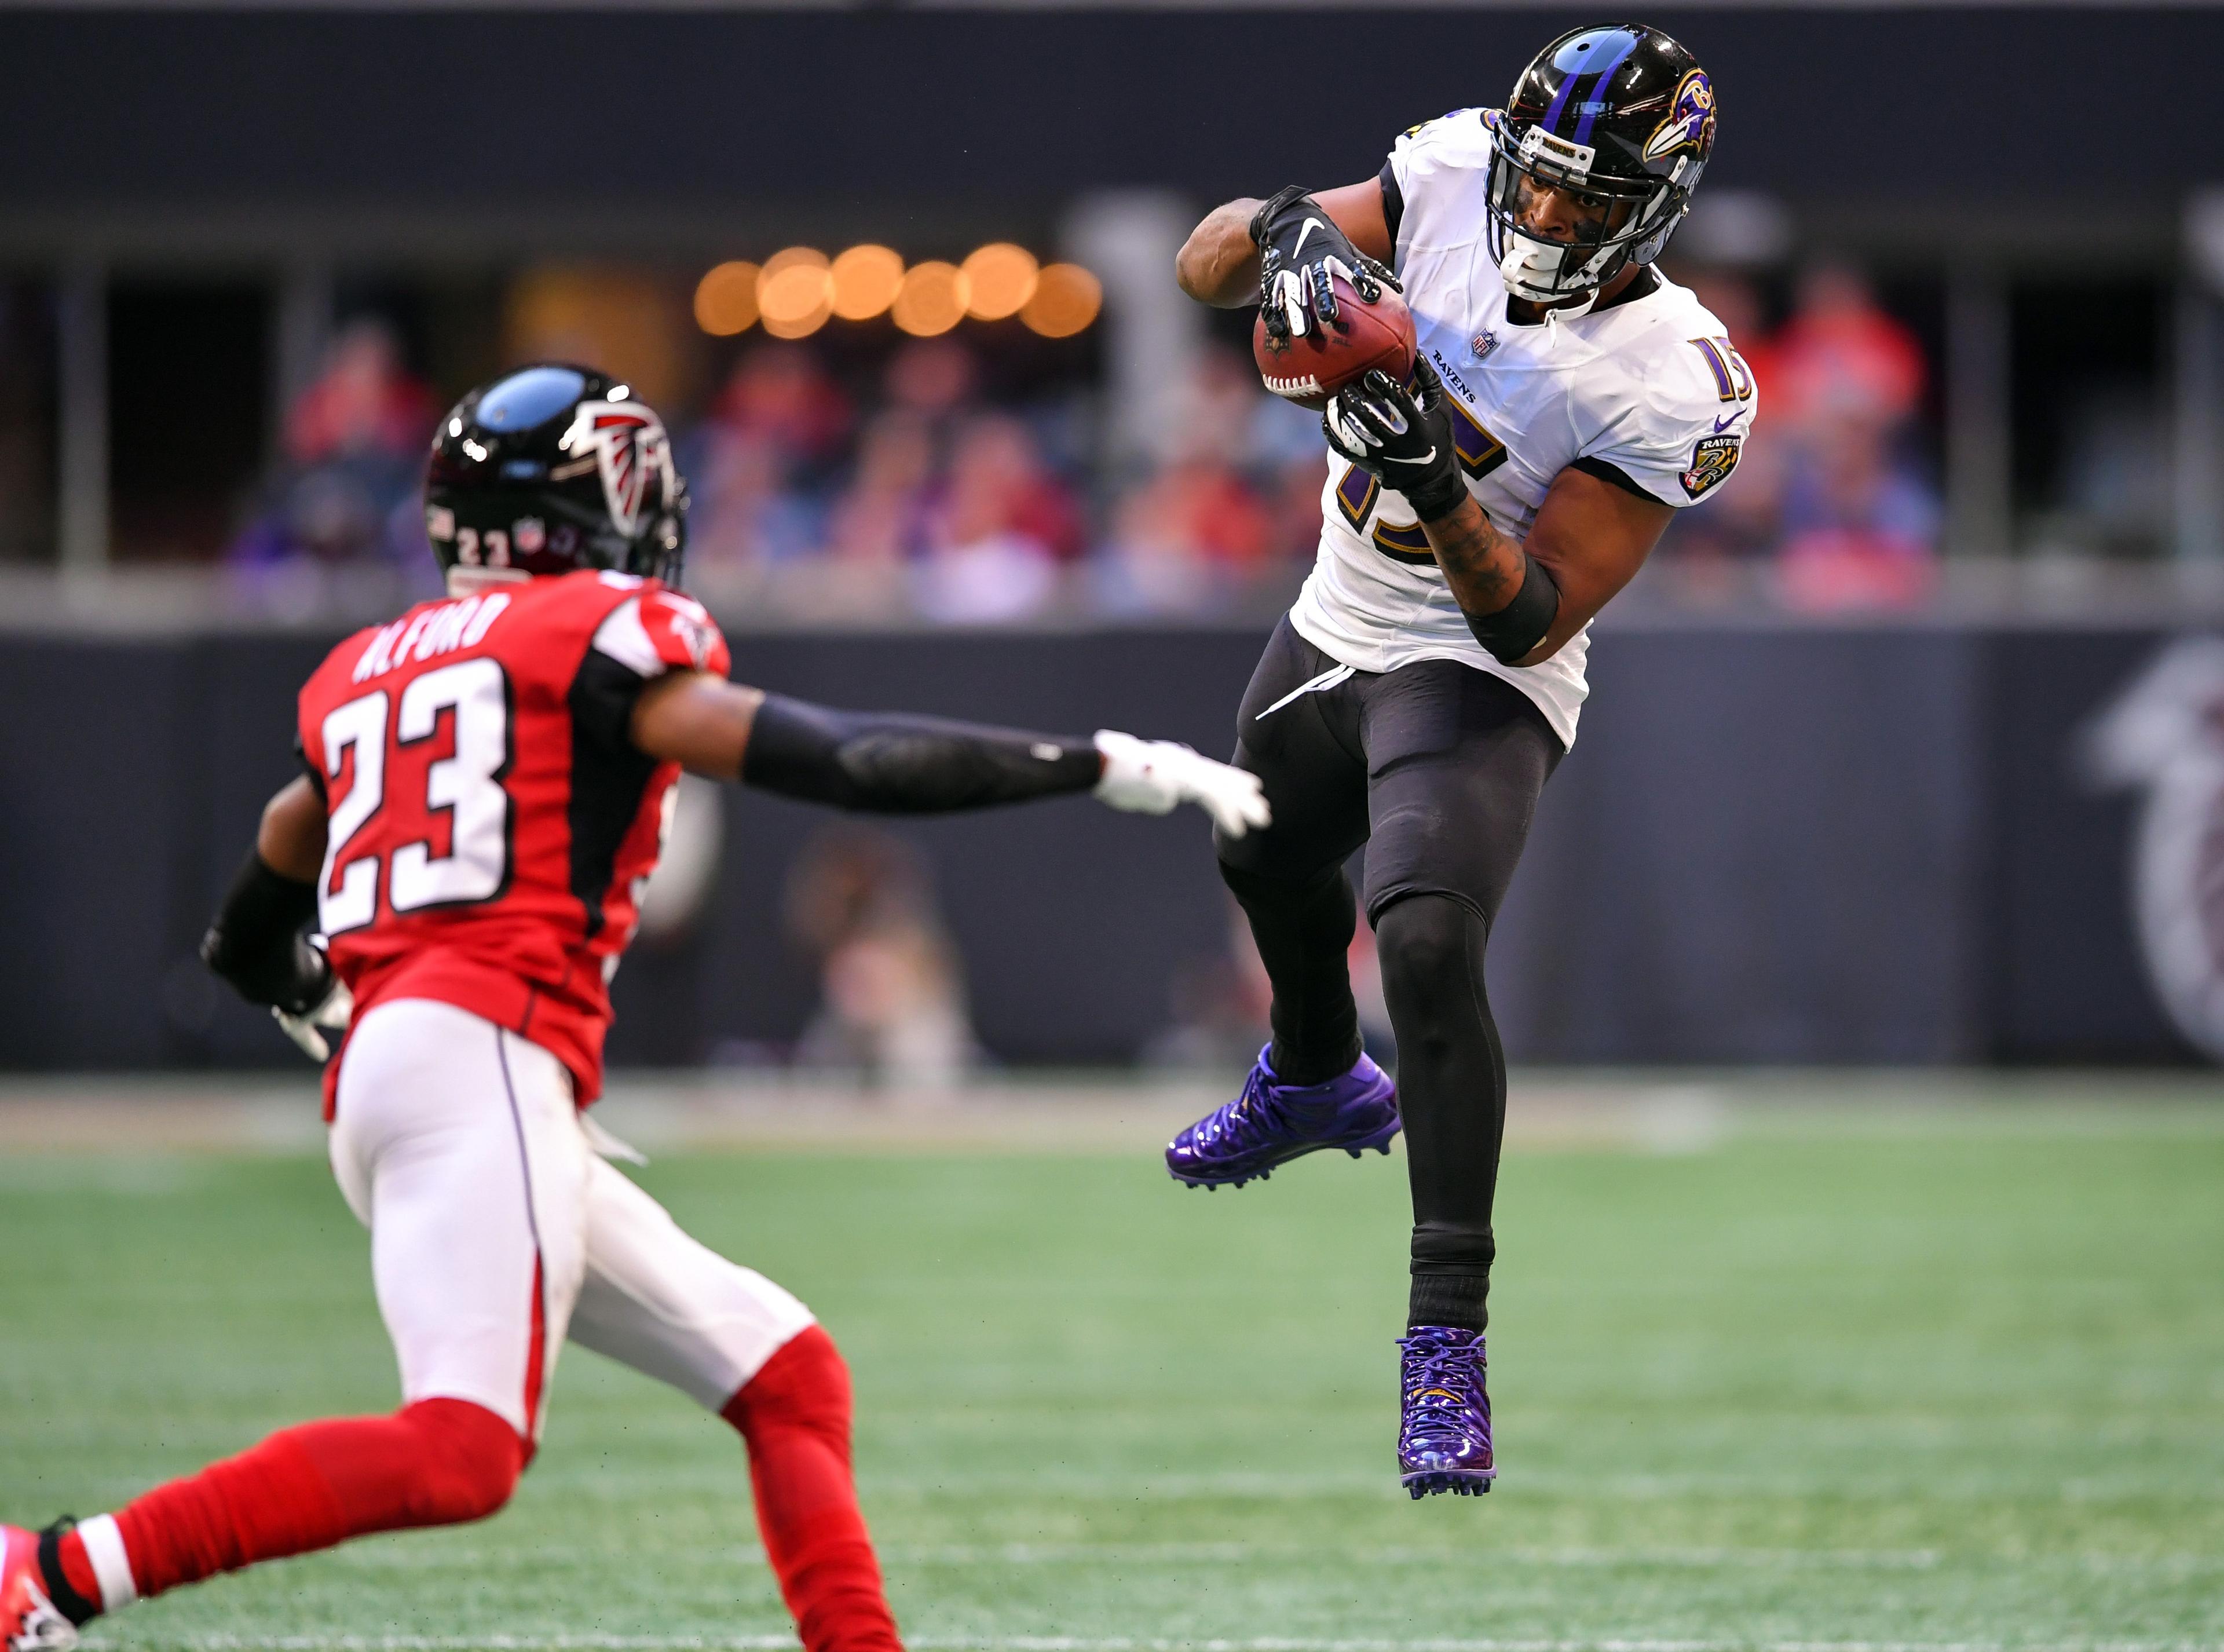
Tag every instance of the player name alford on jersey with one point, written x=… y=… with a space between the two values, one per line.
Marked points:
x=1651 y=386
x=441 y=628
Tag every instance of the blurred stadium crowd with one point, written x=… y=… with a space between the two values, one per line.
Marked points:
x=860 y=475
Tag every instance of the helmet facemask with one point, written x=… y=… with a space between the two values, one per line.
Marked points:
x=1639 y=215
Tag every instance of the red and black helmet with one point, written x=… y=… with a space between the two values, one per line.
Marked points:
x=552 y=468
x=1621 y=116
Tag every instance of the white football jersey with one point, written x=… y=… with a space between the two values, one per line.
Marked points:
x=1648 y=394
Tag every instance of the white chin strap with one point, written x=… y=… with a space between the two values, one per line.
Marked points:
x=1527 y=269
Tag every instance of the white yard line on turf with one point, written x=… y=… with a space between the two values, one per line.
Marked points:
x=1063 y=1643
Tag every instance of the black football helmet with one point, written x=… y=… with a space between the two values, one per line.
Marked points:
x=1621 y=115
x=552 y=468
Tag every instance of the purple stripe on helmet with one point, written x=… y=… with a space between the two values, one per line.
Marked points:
x=1583 y=133
x=1559 y=101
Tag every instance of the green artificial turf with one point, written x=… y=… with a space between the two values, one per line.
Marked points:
x=1925 y=1384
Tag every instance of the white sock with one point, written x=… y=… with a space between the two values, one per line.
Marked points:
x=104 y=1547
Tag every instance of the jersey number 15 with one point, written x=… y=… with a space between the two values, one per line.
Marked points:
x=465 y=787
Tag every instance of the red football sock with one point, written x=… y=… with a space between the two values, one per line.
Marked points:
x=794 y=1414
x=431 y=1464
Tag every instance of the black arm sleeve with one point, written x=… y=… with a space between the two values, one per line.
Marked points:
x=886 y=763
x=1520 y=626
x=257 y=943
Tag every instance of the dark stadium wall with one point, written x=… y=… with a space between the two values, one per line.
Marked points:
x=632 y=110
x=1780 y=844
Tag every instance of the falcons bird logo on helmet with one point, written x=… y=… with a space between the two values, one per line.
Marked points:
x=628 y=445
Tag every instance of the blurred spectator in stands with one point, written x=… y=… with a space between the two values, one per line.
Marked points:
x=1182 y=541
x=1861 y=525
x=1840 y=346
x=775 y=427
x=363 y=401
x=741 y=513
x=779 y=394
x=1189 y=536
x=354 y=448
x=937 y=380
x=1845 y=382
x=861 y=905
x=1291 y=463
x=1218 y=1002
x=880 y=522
x=1002 y=526
x=1829 y=488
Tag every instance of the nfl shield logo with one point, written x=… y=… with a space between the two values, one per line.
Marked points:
x=1481 y=345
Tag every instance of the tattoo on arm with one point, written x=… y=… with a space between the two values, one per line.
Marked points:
x=1484 y=566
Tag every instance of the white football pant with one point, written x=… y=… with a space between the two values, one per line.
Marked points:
x=496 y=1231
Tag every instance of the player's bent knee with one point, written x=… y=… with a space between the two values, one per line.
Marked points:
x=472 y=1460
x=1426 y=943
x=804 y=1385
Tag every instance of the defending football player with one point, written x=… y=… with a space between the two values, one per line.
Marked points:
x=487 y=780
x=1567 y=399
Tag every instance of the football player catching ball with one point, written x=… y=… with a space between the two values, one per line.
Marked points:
x=1567 y=399
x=488 y=780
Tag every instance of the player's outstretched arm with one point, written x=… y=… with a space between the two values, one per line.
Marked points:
x=1219 y=264
x=890 y=762
x=257 y=941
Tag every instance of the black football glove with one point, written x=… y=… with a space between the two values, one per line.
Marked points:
x=1403 y=436
x=1300 y=252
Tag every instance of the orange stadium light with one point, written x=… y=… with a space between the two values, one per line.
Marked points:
x=1066 y=300
x=1002 y=278
x=933 y=298
x=866 y=281
x=726 y=298
x=795 y=292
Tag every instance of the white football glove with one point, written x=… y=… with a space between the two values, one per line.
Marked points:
x=1153 y=776
x=327 y=1019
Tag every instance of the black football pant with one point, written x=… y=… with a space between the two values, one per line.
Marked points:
x=1436 y=768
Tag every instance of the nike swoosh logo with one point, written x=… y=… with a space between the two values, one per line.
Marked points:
x=1311 y=223
x=1720 y=425
x=1327 y=680
x=1424 y=459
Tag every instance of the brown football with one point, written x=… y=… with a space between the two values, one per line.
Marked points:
x=1309 y=370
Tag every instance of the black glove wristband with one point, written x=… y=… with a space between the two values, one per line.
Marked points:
x=257 y=943
x=1262 y=221
x=1436 y=494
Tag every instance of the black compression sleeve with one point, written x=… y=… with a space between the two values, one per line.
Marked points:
x=887 y=764
x=1520 y=626
x=257 y=943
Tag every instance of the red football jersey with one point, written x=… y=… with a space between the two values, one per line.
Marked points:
x=491 y=822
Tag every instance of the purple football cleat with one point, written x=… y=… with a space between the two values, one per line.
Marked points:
x=1273 y=1122
x=1443 y=1437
